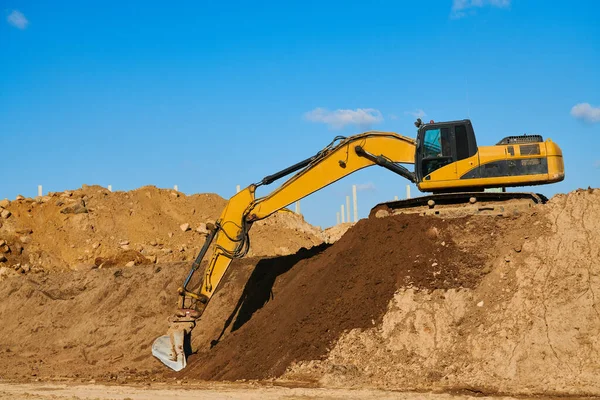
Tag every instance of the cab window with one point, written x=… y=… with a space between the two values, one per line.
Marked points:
x=432 y=143
x=437 y=150
x=436 y=143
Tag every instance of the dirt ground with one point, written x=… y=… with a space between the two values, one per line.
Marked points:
x=474 y=305
x=212 y=391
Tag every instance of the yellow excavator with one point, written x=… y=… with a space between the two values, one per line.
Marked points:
x=447 y=162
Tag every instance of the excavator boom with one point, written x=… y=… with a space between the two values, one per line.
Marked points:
x=229 y=236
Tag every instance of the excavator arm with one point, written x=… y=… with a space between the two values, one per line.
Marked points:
x=229 y=237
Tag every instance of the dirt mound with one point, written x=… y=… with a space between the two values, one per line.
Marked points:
x=319 y=293
x=531 y=326
x=74 y=229
x=484 y=304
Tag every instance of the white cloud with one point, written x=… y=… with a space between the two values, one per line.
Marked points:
x=365 y=187
x=418 y=113
x=462 y=8
x=362 y=117
x=17 y=19
x=586 y=112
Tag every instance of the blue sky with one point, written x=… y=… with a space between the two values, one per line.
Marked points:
x=209 y=95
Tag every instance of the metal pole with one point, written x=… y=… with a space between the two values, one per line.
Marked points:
x=337 y=216
x=298 y=207
x=176 y=188
x=355 y=203
x=395 y=197
x=348 y=209
x=237 y=189
x=40 y=190
x=408 y=191
x=110 y=188
x=343 y=214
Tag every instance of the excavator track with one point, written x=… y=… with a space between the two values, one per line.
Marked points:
x=455 y=205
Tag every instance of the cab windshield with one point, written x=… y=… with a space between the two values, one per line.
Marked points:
x=432 y=144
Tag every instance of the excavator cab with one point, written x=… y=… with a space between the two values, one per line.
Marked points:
x=440 y=144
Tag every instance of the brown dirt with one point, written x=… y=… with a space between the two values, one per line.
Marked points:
x=530 y=327
x=322 y=292
x=73 y=229
x=482 y=305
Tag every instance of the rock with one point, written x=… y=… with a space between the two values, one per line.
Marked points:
x=152 y=258
x=20 y=197
x=25 y=239
x=2 y=242
x=202 y=229
x=3 y=258
x=167 y=251
x=5 y=213
x=124 y=242
x=4 y=203
x=125 y=247
x=184 y=227
x=24 y=231
x=4 y=248
x=432 y=233
x=174 y=194
x=60 y=203
x=382 y=214
x=95 y=245
x=78 y=208
x=153 y=243
x=26 y=268
x=19 y=249
x=480 y=304
x=170 y=234
x=130 y=264
x=434 y=264
x=517 y=249
x=46 y=199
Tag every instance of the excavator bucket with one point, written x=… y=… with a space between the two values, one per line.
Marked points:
x=169 y=349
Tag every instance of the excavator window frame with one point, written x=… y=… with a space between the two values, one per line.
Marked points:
x=462 y=145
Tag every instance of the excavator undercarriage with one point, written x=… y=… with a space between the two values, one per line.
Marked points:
x=456 y=205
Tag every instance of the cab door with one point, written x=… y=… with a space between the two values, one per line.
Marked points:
x=437 y=153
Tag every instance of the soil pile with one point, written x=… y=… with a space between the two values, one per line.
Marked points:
x=484 y=304
x=93 y=226
x=531 y=326
x=295 y=307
